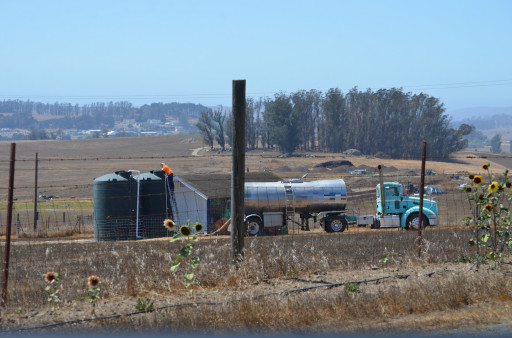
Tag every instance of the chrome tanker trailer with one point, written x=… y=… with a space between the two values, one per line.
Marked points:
x=270 y=206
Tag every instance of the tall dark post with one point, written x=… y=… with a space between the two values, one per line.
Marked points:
x=238 y=172
x=422 y=190
x=35 y=195
x=9 y=222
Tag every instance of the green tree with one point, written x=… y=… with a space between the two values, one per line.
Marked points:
x=250 y=123
x=306 y=109
x=229 y=128
x=333 y=127
x=219 y=123
x=282 y=124
x=476 y=139
x=38 y=135
x=496 y=143
x=206 y=127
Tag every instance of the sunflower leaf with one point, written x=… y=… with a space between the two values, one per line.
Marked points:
x=189 y=276
x=185 y=252
x=194 y=262
x=175 y=265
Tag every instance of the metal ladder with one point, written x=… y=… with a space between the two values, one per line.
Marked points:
x=289 y=204
x=174 y=210
x=172 y=202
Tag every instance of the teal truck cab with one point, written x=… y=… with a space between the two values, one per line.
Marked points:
x=394 y=209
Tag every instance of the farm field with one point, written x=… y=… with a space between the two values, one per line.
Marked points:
x=362 y=280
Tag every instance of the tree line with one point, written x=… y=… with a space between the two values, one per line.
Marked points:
x=386 y=122
x=19 y=114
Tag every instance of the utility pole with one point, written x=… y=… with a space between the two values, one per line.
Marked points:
x=422 y=189
x=35 y=195
x=10 y=200
x=238 y=172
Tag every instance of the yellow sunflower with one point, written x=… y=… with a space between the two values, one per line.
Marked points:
x=93 y=281
x=485 y=166
x=198 y=227
x=493 y=186
x=477 y=180
x=169 y=224
x=51 y=277
x=488 y=207
x=185 y=231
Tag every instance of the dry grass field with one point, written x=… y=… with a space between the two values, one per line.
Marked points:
x=362 y=280
x=68 y=168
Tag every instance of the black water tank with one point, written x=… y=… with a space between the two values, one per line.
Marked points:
x=115 y=207
x=154 y=204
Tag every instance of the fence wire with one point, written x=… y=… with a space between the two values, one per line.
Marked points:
x=66 y=203
x=59 y=233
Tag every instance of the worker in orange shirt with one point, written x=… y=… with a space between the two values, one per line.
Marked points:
x=170 y=175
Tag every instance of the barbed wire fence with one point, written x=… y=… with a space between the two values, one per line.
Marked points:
x=70 y=208
x=62 y=239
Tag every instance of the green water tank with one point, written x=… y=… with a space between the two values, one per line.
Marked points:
x=115 y=204
x=155 y=205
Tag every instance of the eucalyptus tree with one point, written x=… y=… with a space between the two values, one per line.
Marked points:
x=258 y=120
x=228 y=126
x=265 y=126
x=219 y=119
x=281 y=122
x=306 y=109
x=250 y=124
x=496 y=143
x=333 y=126
x=206 y=127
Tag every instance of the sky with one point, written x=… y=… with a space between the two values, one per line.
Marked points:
x=191 y=51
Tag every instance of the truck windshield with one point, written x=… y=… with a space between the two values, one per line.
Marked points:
x=391 y=191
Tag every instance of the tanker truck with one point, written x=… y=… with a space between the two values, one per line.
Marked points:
x=271 y=206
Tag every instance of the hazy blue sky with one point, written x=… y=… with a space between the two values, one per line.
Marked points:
x=190 y=51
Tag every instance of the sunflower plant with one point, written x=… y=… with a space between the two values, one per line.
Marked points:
x=52 y=280
x=188 y=235
x=92 y=292
x=489 y=199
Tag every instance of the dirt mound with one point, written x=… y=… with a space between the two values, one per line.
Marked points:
x=334 y=164
x=320 y=169
x=388 y=169
x=341 y=169
x=353 y=152
x=283 y=168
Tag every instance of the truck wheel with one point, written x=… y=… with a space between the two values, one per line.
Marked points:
x=254 y=226
x=375 y=224
x=336 y=224
x=413 y=221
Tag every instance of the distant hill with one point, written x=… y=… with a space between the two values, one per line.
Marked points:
x=478 y=112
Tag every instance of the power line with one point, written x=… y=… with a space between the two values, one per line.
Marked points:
x=449 y=85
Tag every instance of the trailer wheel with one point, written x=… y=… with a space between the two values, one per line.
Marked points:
x=413 y=221
x=254 y=226
x=375 y=224
x=336 y=224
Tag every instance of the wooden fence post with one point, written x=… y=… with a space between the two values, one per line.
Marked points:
x=8 y=226
x=422 y=190
x=238 y=172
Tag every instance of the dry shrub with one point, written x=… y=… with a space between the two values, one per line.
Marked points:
x=330 y=309
x=133 y=268
x=142 y=269
x=58 y=234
